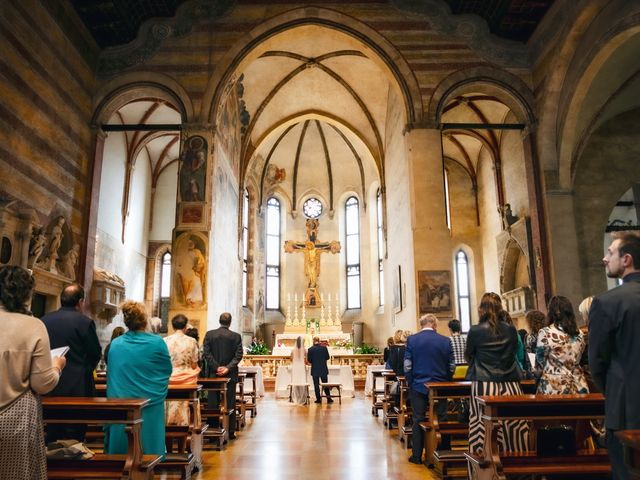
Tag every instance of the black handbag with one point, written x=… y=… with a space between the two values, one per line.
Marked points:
x=556 y=440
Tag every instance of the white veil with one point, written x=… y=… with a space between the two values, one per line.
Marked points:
x=298 y=374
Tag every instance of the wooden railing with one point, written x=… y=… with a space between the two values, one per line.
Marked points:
x=270 y=363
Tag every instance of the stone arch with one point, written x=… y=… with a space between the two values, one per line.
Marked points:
x=384 y=51
x=504 y=85
x=594 y=65
x=123 y=89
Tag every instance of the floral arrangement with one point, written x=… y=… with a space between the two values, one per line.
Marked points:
x=346 y=344
x=367 y=349
x=258 y=348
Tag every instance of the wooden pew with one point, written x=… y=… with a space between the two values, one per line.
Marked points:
x=495 y=465
x=377 y=394
x=184 y=442
x=188 y=439
x=435 y=430
x=216 y=386
x=388 y=415
x=241 y=409
x=100 y=411
x=631 y=441
x=250 y=399
x=403 y=412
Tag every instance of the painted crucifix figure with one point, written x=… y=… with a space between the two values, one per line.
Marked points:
x=312 y=250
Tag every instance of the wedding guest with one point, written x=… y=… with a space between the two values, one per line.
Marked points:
x=492 y=345
x=559 y=349
x=184 y=354
x=139 y=367
x=114 y=334
x=27 y=371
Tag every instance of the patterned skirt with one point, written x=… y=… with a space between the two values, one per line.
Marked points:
x=513 y=435
x=22 y=453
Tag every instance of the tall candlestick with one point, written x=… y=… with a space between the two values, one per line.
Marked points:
x=337 y=322
x=295 y=307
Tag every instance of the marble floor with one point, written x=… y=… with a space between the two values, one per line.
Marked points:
x=320 y=442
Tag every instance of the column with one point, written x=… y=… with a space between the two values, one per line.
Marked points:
x=190 y=242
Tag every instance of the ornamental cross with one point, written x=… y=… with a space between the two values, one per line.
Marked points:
x=312 y=249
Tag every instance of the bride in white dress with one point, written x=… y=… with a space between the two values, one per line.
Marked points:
x=299 y=387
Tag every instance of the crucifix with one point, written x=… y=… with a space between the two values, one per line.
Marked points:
x=312 y=250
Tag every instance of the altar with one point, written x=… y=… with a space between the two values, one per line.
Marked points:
x=338 y=343
x=337 y=374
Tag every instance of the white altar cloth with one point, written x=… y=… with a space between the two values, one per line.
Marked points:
x=286 y=351
x=259 y=380
x=337 y=374
x=368 y=383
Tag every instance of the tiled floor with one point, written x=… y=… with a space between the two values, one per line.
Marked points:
x=337 y=442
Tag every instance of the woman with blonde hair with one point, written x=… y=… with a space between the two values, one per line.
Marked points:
x=139 y=367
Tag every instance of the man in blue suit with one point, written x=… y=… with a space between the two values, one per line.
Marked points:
x=428 y=357
x=317 y=356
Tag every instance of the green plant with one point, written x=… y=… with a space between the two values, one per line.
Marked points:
x=367 y=349
x=258 y=349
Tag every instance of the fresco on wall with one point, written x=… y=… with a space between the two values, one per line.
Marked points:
x=434 y=287
x=190 y=279
x=233 y=118
x=193 y=170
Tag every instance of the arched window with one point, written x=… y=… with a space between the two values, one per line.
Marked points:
x=462 y=279
x=245 y=247
x=273 y=254
x=165 y=288
x=352 y=250
x=380 y=246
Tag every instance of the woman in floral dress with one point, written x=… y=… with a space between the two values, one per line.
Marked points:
x=558 y=351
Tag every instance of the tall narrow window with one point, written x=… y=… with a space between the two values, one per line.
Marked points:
x=462 y=279
x=352 y=250
x=165 y=288
x=447 y=203
x=380 y=246
x=245 y=247
x=273 y=255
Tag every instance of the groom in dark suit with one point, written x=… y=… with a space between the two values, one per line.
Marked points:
x=614 y=344
x=222 y=351
x=317 y=356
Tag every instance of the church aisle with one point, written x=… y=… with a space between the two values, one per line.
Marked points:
x=321 y=442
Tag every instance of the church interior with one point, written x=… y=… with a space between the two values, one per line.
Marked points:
x=332 y=168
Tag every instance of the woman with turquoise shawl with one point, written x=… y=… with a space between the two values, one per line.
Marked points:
x=139 y=367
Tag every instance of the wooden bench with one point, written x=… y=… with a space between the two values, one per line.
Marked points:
x=404 y=414
x=436 y=431
x=220 y=415
x=250 y=399
x=100 y=411
x=493 y=464
x=331 y=386
x=307 y=395
x=631 y=442
x=183 y=442
x=241 y=410
x=377 y=393
x=388 y=415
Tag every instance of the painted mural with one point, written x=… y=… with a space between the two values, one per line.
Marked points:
x=190 y=270
x=193 y=170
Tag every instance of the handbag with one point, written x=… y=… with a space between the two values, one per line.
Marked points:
x=394 y=389
x=556 y=440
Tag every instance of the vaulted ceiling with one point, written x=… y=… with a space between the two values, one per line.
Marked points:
x=117 y=22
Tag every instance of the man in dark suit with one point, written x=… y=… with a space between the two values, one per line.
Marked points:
x=222 y=350
x=317 y=356
x=68 y=326
x=428 y=357
x=614 y=344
